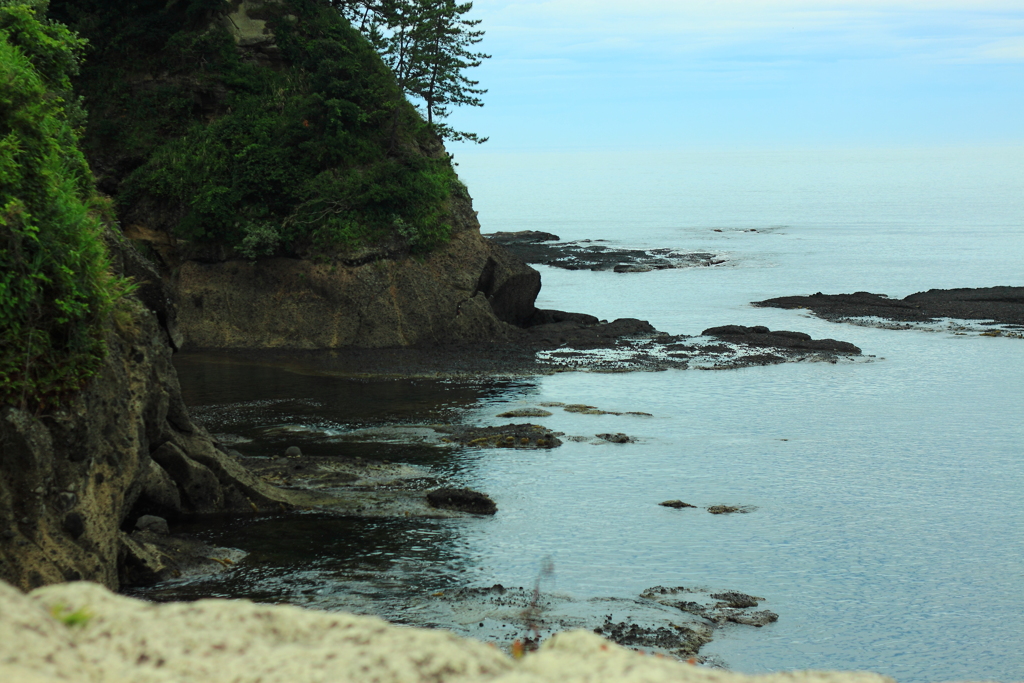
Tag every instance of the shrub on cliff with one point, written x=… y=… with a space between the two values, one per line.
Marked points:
x=312 y=152
x=55 y=282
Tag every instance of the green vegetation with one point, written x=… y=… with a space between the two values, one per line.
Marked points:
x=56 y=289
x=71 y=618
x=314 y=155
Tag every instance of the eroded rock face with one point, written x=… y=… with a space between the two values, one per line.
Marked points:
x=467 y=291
x=71 y=481
x=1001 y=304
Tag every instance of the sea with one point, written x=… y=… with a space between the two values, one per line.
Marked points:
x=885 y=496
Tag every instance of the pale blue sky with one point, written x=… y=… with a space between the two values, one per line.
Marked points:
x=576 y=74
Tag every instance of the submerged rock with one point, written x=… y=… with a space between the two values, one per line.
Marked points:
x=676 y=504
x=526 y=412
x=727 y=509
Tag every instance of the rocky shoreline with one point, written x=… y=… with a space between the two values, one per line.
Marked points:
x=988 y=306
x=82 y=632
x=572 y=342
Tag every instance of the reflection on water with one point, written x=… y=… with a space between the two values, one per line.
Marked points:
x=369 y=566
x=262 y=409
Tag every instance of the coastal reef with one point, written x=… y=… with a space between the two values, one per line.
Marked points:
x=997 y=305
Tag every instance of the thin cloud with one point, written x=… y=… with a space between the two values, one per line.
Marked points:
x=595 y=30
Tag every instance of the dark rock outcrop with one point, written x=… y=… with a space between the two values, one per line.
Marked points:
x=543 y=247
x=465 y=500
x=503 y=436
x=678 y=504
x=778 y=339
x=1001 y=304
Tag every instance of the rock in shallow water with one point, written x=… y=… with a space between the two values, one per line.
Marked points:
x=465 y=500
x=779 y=339
x=504 y=436
x=676 y=504
x=526 y=412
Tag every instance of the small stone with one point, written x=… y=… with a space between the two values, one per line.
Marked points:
x=293 y=452
x=158 y=525
x=676 y=504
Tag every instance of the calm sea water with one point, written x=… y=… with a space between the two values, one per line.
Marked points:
x=888 y=532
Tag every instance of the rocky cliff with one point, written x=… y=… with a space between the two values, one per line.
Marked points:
x=266 y=161
x=468 y=290
x=75 y=480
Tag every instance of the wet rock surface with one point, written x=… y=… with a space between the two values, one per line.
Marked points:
x=716 y=608
x=760 y=336
x=358 y=486
x=620 y=346
x=617 y=437
x=1004 y=305
x=502 y=436
x=672 y=621
x=465 y=500
x=547 y=249
x=526 y=412
x=729 y=509
x=149 y=557
x=678 y=504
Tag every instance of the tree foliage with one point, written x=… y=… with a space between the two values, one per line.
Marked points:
x=428 y=45
x=55 y=283
x=323 y=156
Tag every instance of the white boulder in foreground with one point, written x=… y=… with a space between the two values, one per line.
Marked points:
x=125 y=640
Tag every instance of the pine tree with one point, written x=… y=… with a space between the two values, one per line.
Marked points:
x=443 y=39
x=427 y=44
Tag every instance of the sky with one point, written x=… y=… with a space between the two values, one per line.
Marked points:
x=650 y=74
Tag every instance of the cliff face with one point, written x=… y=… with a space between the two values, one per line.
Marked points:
x=466 y=291
x=76 y=480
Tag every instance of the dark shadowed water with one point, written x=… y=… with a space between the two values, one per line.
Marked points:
x=888 y=521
